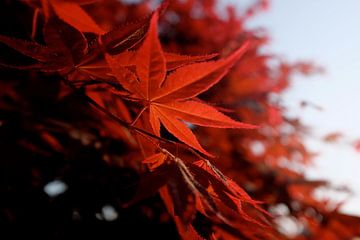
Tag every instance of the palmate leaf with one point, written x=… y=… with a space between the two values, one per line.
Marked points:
x=65 y=46
x=30 y=49
x=67 y=51
x=169 y=97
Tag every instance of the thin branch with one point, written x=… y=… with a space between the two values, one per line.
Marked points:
x=195 y=186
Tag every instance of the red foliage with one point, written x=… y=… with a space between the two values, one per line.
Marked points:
x=99 y=75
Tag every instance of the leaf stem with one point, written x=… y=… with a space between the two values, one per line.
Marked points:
x=139 y=115
x=34 y=23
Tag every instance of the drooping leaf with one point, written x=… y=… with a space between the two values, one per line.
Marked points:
x=65 y=46
x=71 y=13
x=155 y=160
x=30 y=49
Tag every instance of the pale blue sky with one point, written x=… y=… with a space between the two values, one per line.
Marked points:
x=327 y=32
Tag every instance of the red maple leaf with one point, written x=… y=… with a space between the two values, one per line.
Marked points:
x=169 y=97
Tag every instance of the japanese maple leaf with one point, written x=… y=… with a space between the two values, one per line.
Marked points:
x=67 y=51
x=170 y=97
x=65 y=48
x=70 y=11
